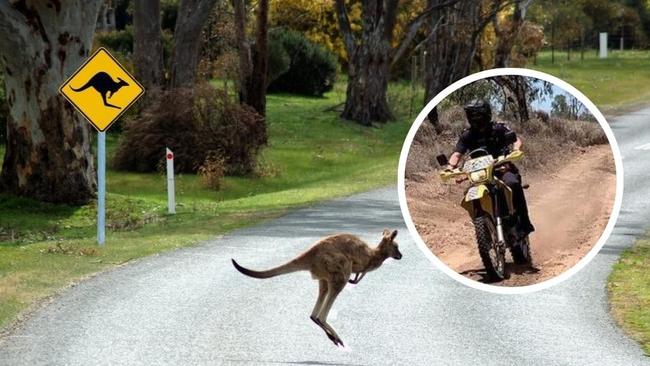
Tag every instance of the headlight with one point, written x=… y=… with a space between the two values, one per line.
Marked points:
x=478 y=176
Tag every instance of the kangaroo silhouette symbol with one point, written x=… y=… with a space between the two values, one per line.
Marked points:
x=104 y=85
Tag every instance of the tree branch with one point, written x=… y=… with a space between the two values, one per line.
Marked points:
x=344 y=25
x=413 y=28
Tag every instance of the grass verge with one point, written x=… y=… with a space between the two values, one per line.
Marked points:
x=617 y=83
x=629 y=292
x=312 y=156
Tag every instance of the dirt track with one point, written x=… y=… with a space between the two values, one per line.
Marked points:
x=569 y=208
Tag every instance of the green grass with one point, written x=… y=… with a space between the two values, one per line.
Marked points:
x=312 y=156
x=629 y=292
x=621 y=80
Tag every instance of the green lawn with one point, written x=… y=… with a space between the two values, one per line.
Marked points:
x=312 y=156
x=621 y=80
x=629 y=292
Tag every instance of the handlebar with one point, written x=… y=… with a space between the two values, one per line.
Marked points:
x=513 y=156
x=448 y=174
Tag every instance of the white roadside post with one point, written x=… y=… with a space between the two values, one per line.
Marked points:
x=171 y=202
x=603 y=45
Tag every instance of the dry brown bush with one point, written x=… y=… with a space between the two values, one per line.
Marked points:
x=193 y=123
x=212 y=171
x=545 y=143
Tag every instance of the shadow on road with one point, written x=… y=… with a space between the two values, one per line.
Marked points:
x=335 y=217
x=318 y=363
x=511 y=268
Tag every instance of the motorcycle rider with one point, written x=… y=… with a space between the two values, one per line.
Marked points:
x=487 y=134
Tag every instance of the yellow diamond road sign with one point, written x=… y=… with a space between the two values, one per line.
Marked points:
x=101 y=89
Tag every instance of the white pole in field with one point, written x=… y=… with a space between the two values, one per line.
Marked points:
x=603 y=45
x=101 y=187
x=171 y=202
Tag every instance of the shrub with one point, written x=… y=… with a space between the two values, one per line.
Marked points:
x=212 y=171
x=119 y=41
x=279 y=61
x=166 y=122
x=193 y=123
x=312 y=69
x=234 y=131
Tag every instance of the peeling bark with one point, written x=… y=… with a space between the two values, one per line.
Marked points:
x=48 y=153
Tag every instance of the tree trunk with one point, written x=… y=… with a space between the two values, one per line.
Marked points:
x=147 y=44
x=366 y=100
x=48 y=153
x=192 y=15
x=256 y=95
x=244 y=50
x=452 y=46
x=102 y=18
x=516 y=89
x=368 y=68
x=110 y=16
x=507 y=34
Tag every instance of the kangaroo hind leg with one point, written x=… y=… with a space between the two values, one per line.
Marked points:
x=334 y=288
x=322 y=293
x=106 y=103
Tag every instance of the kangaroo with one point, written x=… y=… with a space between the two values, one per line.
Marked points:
x=331 y=261
x=104 y=85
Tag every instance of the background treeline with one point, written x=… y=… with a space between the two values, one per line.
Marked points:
x=217 y=60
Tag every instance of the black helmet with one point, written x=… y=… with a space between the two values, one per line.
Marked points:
x=479 y=113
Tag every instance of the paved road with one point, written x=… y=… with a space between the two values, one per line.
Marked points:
x=190 y=307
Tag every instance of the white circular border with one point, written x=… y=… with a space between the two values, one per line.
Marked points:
x=514 y=289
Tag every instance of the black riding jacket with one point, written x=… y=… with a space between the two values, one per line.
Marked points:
x=494 y=141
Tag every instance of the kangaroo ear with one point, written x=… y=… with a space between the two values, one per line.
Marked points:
x=393 y=235
x=386 y=232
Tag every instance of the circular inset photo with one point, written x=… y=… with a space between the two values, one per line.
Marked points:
x=510 y=180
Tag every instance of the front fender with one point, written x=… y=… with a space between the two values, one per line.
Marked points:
x=480 y=193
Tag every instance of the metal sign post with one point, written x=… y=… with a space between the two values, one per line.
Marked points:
x=101 y=188
x=102 y=90
x=171 y=201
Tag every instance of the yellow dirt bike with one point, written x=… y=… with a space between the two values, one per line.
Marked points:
x=488 y=201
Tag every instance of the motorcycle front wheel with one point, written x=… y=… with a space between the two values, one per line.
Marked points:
x=493 y=259
x=521 y=252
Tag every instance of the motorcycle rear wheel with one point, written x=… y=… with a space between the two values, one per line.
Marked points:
x=493 y=259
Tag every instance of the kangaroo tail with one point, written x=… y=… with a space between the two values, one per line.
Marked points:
x=81 y=88
x=289 y=267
